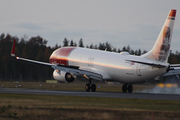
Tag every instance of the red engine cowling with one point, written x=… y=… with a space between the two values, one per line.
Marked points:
x=62 y=76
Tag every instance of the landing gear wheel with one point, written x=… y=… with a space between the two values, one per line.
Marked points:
x=87 y=87
x=124 y=88
x=93 y=88
x=130 y=88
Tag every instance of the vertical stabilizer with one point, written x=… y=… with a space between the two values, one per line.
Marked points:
x=160 y=51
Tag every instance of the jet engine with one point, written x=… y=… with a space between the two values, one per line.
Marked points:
x=63 y=76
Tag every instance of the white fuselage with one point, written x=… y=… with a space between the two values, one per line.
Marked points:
x=113 y=66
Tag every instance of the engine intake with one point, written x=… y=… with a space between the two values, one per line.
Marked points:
x=62 y=76
x=69 y=78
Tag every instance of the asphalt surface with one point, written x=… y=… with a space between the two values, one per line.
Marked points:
x=91 y=94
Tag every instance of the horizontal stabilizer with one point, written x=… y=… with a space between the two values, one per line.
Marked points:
x=148 y=63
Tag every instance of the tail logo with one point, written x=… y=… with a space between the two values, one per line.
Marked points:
x=165 y=46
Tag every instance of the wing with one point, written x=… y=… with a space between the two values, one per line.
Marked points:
x=32 y=61
x=87 y=73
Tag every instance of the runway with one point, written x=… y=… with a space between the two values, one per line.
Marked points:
x=91 y=94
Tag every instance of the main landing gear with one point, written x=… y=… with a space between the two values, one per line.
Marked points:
x=127 y=87
x=90 y=86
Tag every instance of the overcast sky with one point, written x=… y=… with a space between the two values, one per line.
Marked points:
x=120 y=22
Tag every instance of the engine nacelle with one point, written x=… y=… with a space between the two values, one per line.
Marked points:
x=62 y=76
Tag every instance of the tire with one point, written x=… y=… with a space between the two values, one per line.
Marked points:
x=87 y=87
x=130 y=88
x=124 y=88
x=93 y=88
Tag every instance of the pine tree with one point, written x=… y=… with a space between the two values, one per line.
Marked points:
x=81 y=43
x=124 y=49
x=66 y=42
x=119 y=50
x=71 y=43
x=91 y=46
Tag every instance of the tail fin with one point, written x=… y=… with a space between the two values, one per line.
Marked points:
x=160 y=51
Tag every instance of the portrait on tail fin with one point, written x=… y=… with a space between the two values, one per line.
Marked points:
x=164 y=49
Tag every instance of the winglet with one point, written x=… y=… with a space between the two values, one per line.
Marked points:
x=13 y=49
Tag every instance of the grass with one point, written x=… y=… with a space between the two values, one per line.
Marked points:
x=15 y=106
x=44 y=107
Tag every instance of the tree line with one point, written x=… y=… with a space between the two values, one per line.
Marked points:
x=36 y=48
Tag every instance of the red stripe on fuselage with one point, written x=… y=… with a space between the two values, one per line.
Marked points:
x=60 y=56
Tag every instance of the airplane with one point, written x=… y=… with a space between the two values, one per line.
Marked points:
x=70 y=62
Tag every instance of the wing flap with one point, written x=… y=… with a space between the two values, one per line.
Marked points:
x=76 y=71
